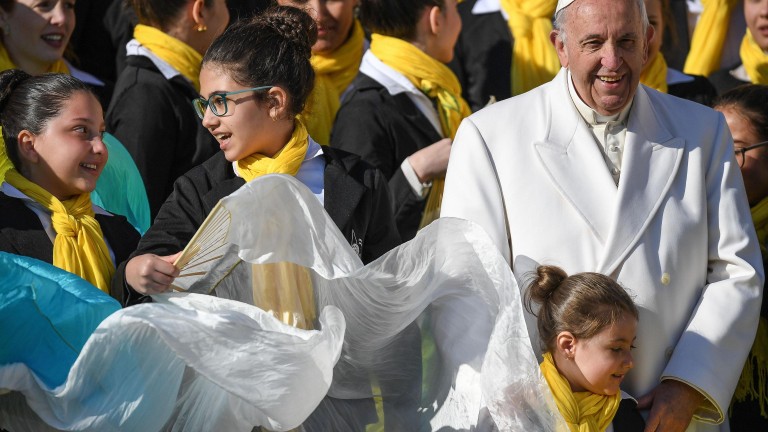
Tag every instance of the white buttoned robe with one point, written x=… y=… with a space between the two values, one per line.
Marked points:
x=676 y=232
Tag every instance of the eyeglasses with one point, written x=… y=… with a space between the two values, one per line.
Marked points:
x=741 y=153
x=217 y=102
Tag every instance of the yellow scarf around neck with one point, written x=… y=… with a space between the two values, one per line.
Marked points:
x=655 y=73
x=333 y=74
x=176 y=53
x=284 y=289
x=435 y=80
x=708 y=37
x=754 y=59
x=5 y=163
x=79 y=245
x=583 y=411
x=286 y=161
x=534 y=59
x=59 y=66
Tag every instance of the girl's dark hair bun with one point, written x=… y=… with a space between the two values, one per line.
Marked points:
x=292 y=24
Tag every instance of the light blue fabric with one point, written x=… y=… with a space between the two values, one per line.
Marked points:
x=120 y=189
x=46 y=315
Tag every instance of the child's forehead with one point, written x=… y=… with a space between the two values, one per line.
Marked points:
x=624 y=329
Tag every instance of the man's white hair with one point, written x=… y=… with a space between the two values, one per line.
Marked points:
x=561 y=17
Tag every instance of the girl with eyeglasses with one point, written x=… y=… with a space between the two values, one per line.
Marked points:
x=250 y=102
x=746 y=111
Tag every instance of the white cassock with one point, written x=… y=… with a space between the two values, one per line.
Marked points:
x=676 y=232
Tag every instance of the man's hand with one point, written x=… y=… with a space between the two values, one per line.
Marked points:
x=151 y=274
x=672 y=405
x=431 y=161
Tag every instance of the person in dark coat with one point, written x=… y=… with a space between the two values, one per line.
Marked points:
x=250 y=103
x=151 y=111
x=52 y=126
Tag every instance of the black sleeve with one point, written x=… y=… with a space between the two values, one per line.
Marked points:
x=382 y=235
x=145 y=122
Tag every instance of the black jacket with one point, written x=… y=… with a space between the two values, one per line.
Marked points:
x=154 y=119
x=22 y=233
x=483 y=56
x=384 y=130
x=356 y=198
x=724 y=81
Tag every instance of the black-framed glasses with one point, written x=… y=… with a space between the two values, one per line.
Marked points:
x=217 y=102
x=741 y=153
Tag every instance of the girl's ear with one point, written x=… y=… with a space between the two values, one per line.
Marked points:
x=278 y=103
x=436 y=19
x=198 y=15
x=565 y=343
x=27 y=152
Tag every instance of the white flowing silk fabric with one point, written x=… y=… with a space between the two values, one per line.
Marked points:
x=195 y=362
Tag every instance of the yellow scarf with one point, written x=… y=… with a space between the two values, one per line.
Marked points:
x=534 y=59
x=583 y=411
x=5 y=163
x=176 y=53
x=333 y=74
x=753 y=58
x=438 y=83
x=286 y=161
x=709 y=37
x=283 y=289
x=79 y=245
x=655 y=73
x=6 y=63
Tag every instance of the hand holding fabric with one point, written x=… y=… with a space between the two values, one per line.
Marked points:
x=431 y=161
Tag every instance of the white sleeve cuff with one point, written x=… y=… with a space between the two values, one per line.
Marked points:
x=419 y=188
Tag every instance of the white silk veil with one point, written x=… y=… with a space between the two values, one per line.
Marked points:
x=430 y=336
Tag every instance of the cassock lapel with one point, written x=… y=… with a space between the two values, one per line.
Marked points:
x=571 y=158
x=652 y=156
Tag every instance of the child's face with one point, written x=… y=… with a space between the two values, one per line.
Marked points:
x=604 y=359
x=67 y=157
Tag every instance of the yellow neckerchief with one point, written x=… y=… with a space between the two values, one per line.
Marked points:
x=283 y=289
x=534 y=59
x=753 y=58
x=760 y=219
x=709 y=37
x=5 y=163
x=79 y=245
x=655 y=73
x=59 y=66
x=583 y=411
x=286 y=161
x=176 y=53
x=439 y=84
x=333 y=74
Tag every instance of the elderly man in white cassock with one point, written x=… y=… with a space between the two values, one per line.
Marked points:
x=594 y=172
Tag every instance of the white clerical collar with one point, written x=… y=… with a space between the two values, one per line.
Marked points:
x=488 y=6
x=591 y=116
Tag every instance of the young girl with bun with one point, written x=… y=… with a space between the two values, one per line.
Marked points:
x=586 y=325
x=52 y=126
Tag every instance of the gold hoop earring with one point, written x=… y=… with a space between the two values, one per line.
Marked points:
x=201 y=28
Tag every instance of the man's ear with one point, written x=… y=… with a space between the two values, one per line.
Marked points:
x=648 y=37
x=26 y=142
x=557 y=41
x=279 y=103
x=565 y=343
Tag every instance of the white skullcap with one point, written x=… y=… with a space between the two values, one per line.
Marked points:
x=562 y=4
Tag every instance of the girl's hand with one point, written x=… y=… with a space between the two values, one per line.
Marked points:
x=151 y=274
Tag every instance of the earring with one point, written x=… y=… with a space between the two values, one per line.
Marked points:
x=202 y=27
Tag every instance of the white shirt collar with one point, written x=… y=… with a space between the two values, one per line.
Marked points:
x=591 y=116
x=134 y=47
x=390 y=79
x=488 y=6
